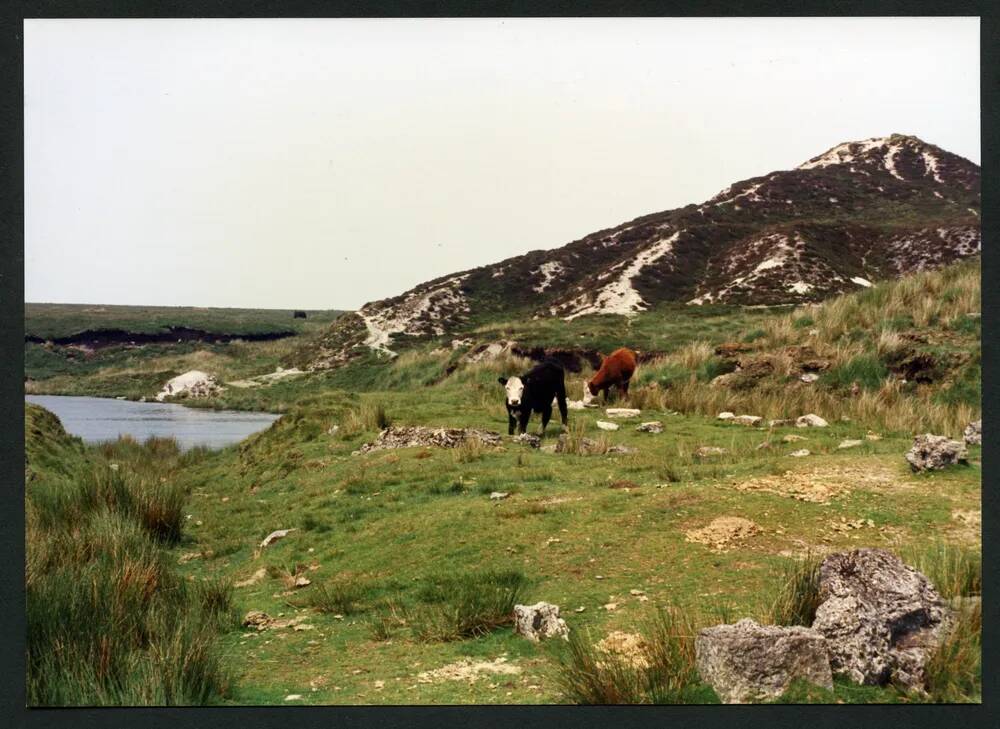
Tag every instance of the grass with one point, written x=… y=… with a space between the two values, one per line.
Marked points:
x=110 y=621
x=400 y=544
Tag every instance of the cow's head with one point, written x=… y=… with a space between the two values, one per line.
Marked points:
x=589 y=392
x=515 y=390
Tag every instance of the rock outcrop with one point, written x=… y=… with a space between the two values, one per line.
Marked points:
x=191 y=384
x=934 y=452
x=881 y=618
x=751 y=662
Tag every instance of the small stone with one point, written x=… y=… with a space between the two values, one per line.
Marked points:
x=872 y=436
x=636 y=592
x=791 y=438
x=623 y=412
x=849 y=444
x=610 y=607
x=750 y=421
x=973 y=434
x=725 y=416
x=810 y=421
x=302 y=582
x=653 y=426
x=293 y=697
x=799 y=453
x=708 y=451
x=809 y=377
x=275 y=536
x=780 y=423
x=579 y=609
x=528 y=439
x=604 y=425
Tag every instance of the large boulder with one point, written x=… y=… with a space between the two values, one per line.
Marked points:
x=539 y=621
x=934 y=452
x=752 y=662
x=810 y=421
x=881 y=618
x=973 y=434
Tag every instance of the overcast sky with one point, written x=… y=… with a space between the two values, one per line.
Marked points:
x=323 y=164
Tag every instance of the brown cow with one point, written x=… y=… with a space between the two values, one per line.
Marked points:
x=616 y=369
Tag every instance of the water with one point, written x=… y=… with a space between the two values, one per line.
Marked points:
x=99 y=419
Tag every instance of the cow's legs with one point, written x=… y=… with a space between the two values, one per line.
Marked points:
x=511 y=422
x=624 y=387
x=546 y=416
x=523 y=421
x=561 y=401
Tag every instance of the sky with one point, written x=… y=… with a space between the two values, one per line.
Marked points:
x=321 y=164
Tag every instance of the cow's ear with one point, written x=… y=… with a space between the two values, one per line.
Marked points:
x=502 y=380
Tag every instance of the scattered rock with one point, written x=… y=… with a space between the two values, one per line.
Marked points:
x=653 y=426
x=575 y=405
x=610 y=607
x=881 y=619
x=332 y=430
x=498 y=495
x=257 y=619
x=973 y=434
x=934 y=452
x=780 y=423
x=791 y=438
x=302 y=582
x=810 y=421
x=748 y=420
x=469 y=670
x=629 y=649
x=872 y=436
x=293 y=697
x=809 y=377
x=763 y=446
x=604 y=425
x=539 y=621
x=822 y=484
x=708 y=451
x=623 y=412
x=191 y=384
x=845 y=526
x=621 y=449
x=417 y=435
x=725 y=416
x=528 y=439
x=801 y=453
x=752 y=662
x=849 y=444
x=275 y=536
x=723 y=532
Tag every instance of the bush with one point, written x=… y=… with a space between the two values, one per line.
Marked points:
x=466 y=605
x=865 y=369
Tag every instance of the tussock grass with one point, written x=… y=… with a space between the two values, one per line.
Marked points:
x=109 y=622
x=954 y=570
x=455 y=607
x=798 y=594
x=954 y=674
x=343 y=596
x=664 y=673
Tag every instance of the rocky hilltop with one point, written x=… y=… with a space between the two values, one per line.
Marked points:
x=859 y=212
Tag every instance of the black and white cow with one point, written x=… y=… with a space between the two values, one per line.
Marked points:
x=534 y=392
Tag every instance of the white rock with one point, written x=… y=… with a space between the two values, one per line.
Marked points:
x=623 y=412
x=809 y=377
x=849 y=444
x=810 y=421
x=799 y=453
x=539 y=621
x=748 y=420
x=196 y=383
x=275 y=536
x=725 y=416
x=498 y=495
x=605 y=425
x=653 y=426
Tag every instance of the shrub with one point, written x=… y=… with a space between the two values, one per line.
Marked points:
x=466 y=605
x=865 y=369
x=340 y=597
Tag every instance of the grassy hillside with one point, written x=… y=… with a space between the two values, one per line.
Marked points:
x=396 y=584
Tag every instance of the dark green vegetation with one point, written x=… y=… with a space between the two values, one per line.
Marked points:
x=110 y=619
x=412 y=568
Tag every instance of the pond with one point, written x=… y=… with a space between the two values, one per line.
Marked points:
x=99 y=419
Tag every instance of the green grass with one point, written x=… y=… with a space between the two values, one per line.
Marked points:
x=109 y=619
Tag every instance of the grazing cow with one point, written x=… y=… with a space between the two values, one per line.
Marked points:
x=534 y=392
x=298 y=315
x=616 y=369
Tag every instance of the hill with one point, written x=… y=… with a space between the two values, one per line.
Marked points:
x=858 y=213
